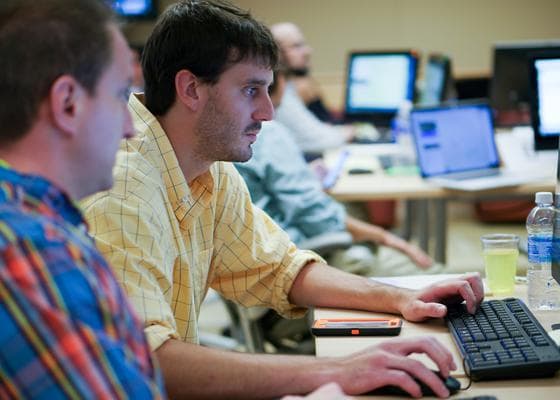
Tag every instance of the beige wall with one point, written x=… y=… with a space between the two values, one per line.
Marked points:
x=463 y=29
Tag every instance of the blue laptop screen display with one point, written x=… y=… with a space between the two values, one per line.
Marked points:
x=379 y=82
x=454 y=139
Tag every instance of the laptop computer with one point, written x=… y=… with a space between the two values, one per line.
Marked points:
x=456 y=148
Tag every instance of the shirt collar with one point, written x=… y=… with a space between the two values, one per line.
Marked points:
x=36 y=193
x=183 y=197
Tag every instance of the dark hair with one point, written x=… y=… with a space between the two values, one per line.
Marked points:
x=204 y=37
x=41 y=41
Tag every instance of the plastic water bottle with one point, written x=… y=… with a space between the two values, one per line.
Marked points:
x=544 y=291
x=400 y=126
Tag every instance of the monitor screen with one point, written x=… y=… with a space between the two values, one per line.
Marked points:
x=556 y=228
x=132 y=9
x=544 y=74
x=548 y=89
x=436 y=80
x=379 y=82
x=509 y=89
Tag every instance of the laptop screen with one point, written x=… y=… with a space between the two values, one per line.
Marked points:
x=454 y=139
x=379 y=82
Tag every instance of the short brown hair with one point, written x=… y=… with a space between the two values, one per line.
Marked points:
x=41 y=40
x=205 y=37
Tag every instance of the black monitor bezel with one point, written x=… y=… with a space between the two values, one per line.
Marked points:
x=498 y=83
x=377 y=117
x=542 y=142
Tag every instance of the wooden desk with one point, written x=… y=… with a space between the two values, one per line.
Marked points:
x=419 y=193
x=541 y=389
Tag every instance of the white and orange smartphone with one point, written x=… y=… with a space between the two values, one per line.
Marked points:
x=357 y=327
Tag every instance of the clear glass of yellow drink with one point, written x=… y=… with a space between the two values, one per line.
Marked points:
x=500 y=251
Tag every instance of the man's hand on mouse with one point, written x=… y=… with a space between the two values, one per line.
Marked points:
x=388 y=364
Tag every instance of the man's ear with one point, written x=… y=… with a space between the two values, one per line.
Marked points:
x=66 y=96
x=189 y=89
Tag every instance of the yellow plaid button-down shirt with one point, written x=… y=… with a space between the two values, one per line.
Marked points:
x=168 y=242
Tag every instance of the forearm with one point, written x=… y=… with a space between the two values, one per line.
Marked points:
x=362 y=231
x=320 y=285
x=196 y=372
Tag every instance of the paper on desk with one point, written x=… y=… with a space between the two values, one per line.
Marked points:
x=418 y=281
x=414 y=281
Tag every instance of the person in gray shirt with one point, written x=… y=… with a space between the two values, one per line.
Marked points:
x=283 y=185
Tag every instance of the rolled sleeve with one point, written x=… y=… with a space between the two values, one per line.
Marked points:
x=301 y=259
x=158 y=334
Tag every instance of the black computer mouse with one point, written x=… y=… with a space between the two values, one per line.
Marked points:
x=360 y=171
x=452 y=384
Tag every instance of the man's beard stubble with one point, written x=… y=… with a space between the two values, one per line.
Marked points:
x=216 y=133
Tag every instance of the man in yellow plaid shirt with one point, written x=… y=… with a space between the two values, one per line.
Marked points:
x=179 y=220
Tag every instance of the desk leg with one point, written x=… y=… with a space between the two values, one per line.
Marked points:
x=440 y=230
x=406 y=233
x=423 y=231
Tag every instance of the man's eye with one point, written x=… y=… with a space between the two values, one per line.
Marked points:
x=251 y=91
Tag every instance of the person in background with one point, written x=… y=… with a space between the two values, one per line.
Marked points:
x=283 y=185
x=311 y=134
x=67 y=329
x=303 y=112
x=296 y=54
x=179 y=220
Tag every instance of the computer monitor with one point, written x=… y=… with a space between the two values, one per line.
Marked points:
x=135 y=9
x=437 y=79
x=544 y=73
x=377 y=83
x=509 y=88
x=556 y=227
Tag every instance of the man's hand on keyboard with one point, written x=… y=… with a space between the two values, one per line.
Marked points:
x=430 y=302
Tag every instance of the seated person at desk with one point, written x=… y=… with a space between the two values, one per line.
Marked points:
x=66 y=327
x=296 y=54
x=179 y=220
x=282 y=184
x=311 y=134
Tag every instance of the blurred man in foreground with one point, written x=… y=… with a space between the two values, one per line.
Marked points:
x=67 y=330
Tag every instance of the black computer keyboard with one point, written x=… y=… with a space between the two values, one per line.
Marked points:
x=503 y=340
